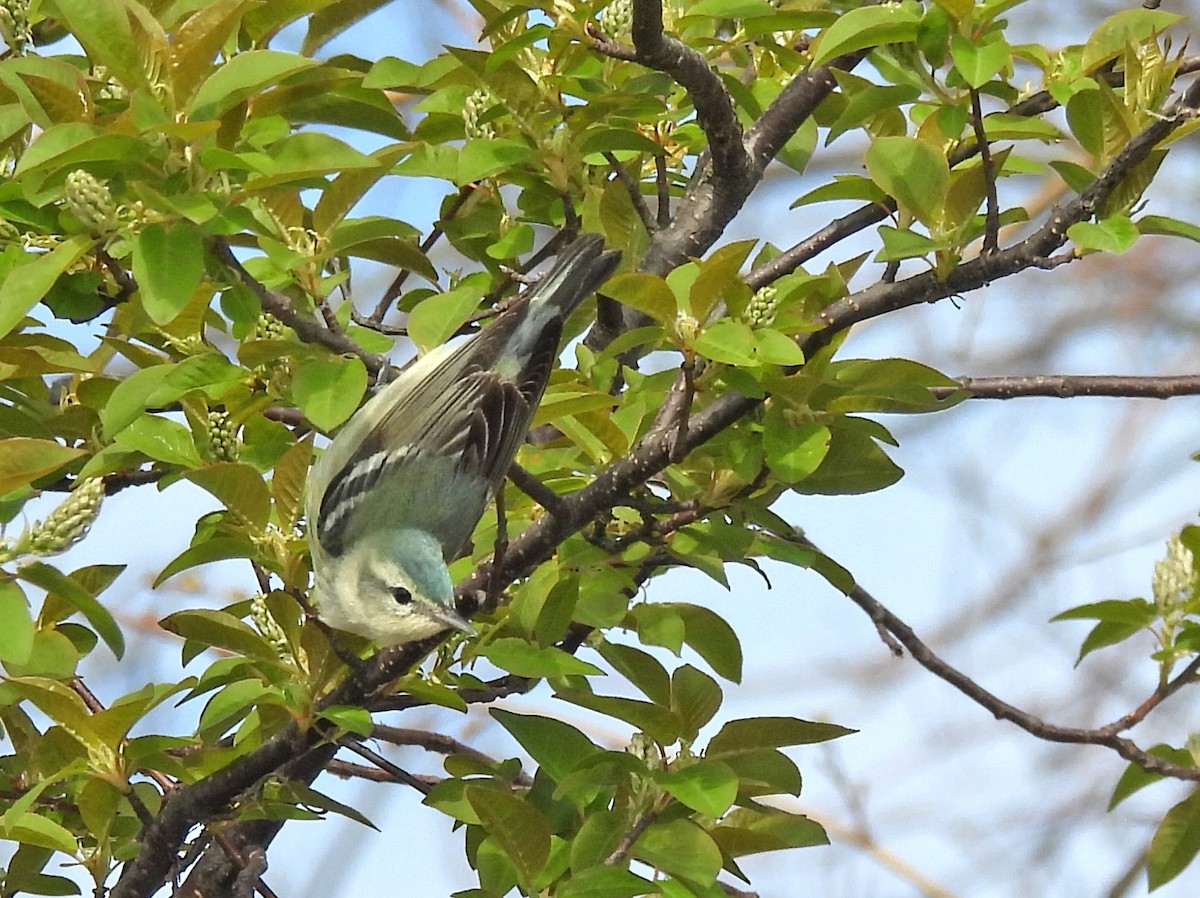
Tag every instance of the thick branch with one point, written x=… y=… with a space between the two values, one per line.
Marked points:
x=714 y=107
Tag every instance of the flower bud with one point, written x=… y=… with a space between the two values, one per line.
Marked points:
x=69 y=523
x=1174 y=581
x=91 y=202
x=223 y=443
x=763 y=306
x=479 y=102
x=267 y=625
x=268 y=327
x=14 y=23
x=616 y=19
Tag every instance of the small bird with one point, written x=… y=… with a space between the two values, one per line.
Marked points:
x=396 y=495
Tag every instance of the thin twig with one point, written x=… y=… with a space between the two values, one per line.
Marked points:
x=1067 y=386
x=991 y=233
x=634 y=189
x=392 y=293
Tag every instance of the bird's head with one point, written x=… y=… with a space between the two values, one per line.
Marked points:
x=392 y=586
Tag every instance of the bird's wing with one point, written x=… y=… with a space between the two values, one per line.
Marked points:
x=461 y=411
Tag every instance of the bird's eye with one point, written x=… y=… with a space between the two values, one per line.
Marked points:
x=401 y=595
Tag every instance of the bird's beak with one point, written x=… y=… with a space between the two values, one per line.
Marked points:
x=451 y=619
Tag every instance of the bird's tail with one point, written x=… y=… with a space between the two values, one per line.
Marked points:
x=580 y=269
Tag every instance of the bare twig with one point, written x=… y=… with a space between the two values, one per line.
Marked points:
x=1066 y=386
x=1106 y=736
x=991 y=232
x=392 y=293
x=634 y=189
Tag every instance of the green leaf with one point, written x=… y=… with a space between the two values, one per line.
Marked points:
x=728 y=341
x=435 y=320
x=306 y=155
x=606 y=882
x=888 y=385
x=329 y=390
x=206 y=552
x=483 y=158
x=28 y=283
x=646 y=293
x=751 y=734
x=16 y=624
x=659 y=724
x=854 y=464
x=106 y=31
x=239 y=487
x=1116 y=234
x=1127 y=28
x=1133 y=612
x=709 y=787
x=863 y=103
x=232 y=703
x=1175 y=843
x=168 y=263
x=732 y=9
x=901 y=243
x=717 y=273
x=746 y=831
x=518 y=827
x=764 y=771
x=350 y=717
x=712 y=639
x=28 y=828
x=916 y=174
x=695 y=698
x=1172 y=227
x=196 y=43
x=24 y=459
x=1104 y=634
x=243 y=75
x=1136 y=777
x=864 y=27
x=287 y=484
x=794 y=450
x=519 y=657
x=843 y=187
x=161 y=439
x=60 y=703
x=978 y=61
x=59 y=584
x=681 y=848
x=220 y=629
x=642 y=669
x=557 y=747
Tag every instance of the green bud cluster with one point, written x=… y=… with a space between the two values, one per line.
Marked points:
x=67 y=524
x=268 y=327
x=223 y=443
x=91 y=202
x=479 y=102
x=267 y=625
x=616 y=19
x=763 y=307
x=1174 y=582
x=14 y=23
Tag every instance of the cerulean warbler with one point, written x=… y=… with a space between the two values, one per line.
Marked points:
x=396 y=495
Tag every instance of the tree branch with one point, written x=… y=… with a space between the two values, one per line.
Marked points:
x=1066 y=386
x=1106 y=736
x=279 y=305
